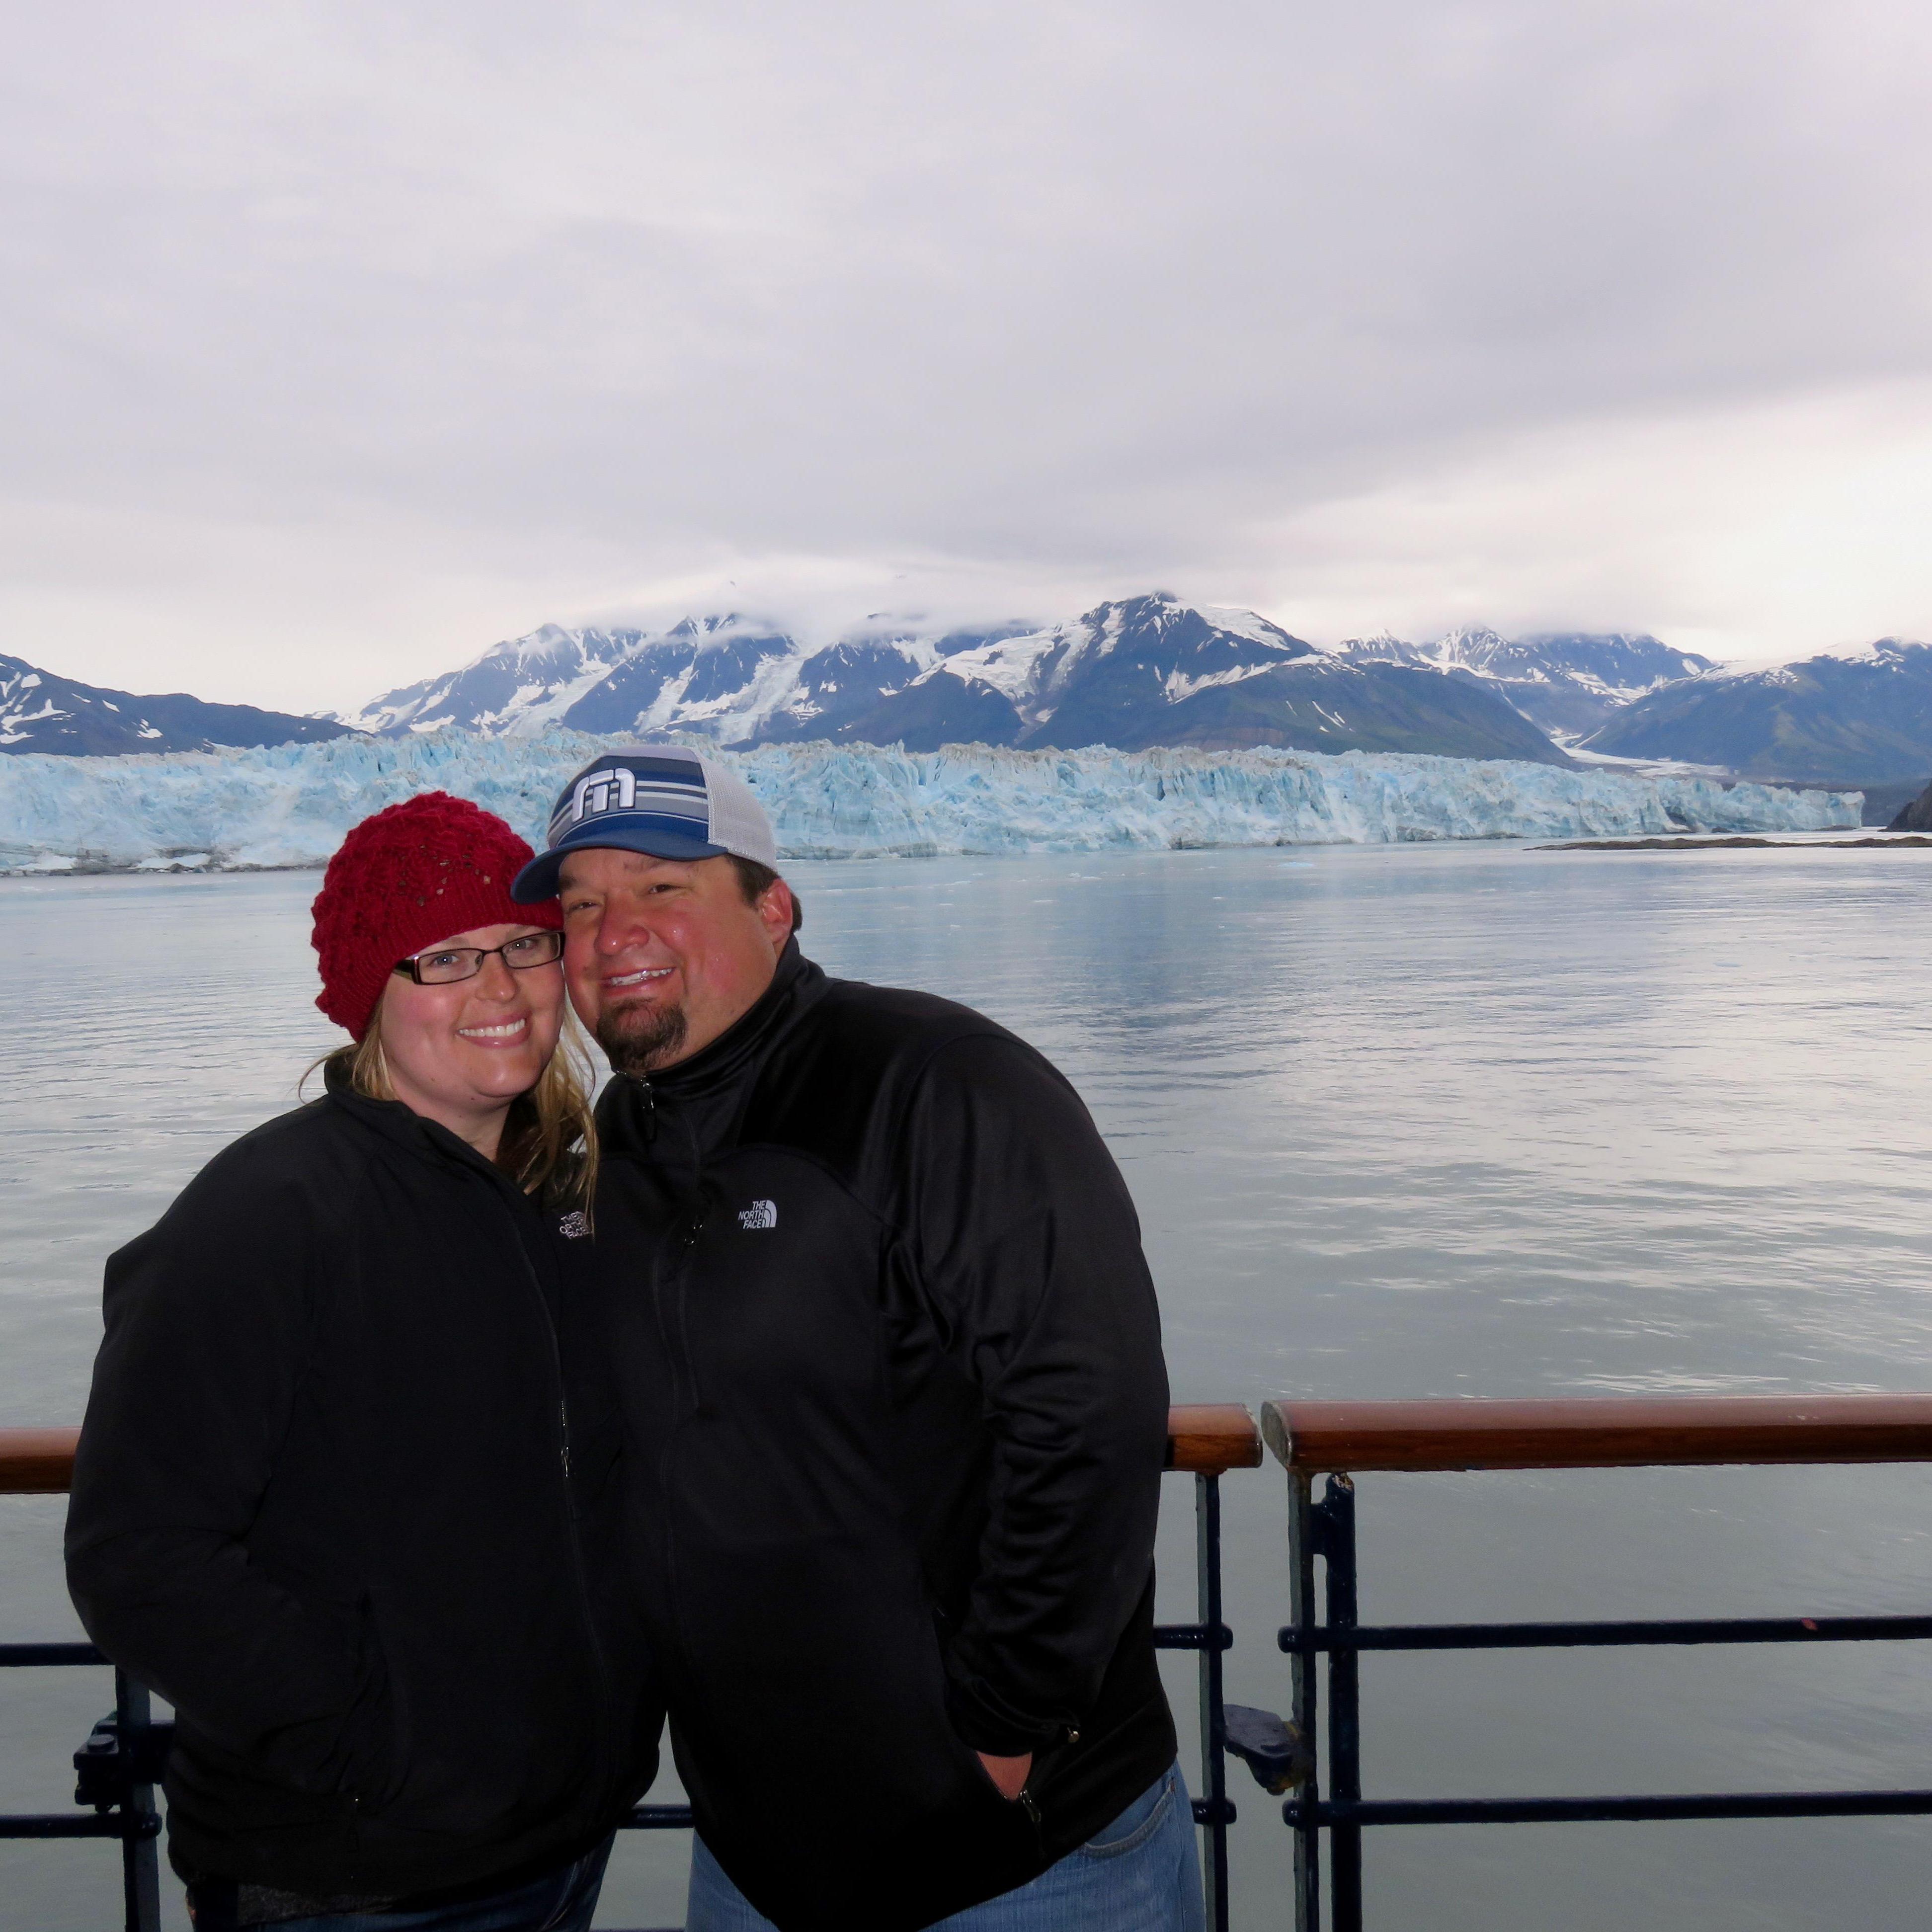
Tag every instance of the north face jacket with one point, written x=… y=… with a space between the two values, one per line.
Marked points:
x=344 y=1497
x=894 y=1413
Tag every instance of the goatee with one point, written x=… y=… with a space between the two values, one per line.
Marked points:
x=637 y=1039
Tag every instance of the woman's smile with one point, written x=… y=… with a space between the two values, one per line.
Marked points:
x=500 y=1033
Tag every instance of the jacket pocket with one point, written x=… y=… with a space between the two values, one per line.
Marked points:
x=492 y=1724
x=375 y=1732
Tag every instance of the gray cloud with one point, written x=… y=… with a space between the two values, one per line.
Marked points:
x=345 y=339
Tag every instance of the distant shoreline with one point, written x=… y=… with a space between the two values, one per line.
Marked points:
x=1720 y=845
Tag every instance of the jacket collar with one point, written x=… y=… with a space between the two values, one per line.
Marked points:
x=711 y=1082
x=406 y=1130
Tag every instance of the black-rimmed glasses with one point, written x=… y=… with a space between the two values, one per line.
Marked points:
x=448 y=964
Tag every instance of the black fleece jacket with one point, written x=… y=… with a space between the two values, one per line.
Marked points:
x=345 y=1497
x=896 y=1412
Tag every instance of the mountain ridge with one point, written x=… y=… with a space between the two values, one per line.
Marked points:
x=1840 y=717
x=41 y=711
x=1137 y=672
x=1568 y=683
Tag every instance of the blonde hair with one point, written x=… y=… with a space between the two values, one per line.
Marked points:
x=550 y=1137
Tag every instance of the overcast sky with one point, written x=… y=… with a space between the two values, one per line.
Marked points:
x=343 y=340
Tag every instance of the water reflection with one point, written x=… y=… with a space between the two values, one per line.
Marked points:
x=1398 y=1122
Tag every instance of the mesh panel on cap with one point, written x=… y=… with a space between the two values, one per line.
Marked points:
x=739 y=823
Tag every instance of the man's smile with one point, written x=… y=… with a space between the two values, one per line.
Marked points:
x=641 y=977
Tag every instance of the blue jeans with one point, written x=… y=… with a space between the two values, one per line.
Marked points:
x=1141 y=1874
x=562 y=1900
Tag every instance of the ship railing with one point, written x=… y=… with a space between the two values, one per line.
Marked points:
x=1338 y=1441
x=120 y=1765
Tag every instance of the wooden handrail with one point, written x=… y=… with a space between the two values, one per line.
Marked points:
x=1599 y=1431
x=1574 y=1432
x=36 y=1462
x=1204 y=1438
x=1208 y=1438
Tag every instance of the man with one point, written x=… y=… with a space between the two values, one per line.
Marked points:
x=894 y=1405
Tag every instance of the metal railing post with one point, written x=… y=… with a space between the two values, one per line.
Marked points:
x=1344 y=1726
x=1302 y=1534
x=1213 y=1715
x=140 y=1824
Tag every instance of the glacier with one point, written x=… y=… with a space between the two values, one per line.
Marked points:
x=289 y=806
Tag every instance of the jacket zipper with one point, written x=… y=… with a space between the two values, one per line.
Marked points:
x=600 y=1666
x=671 y=1282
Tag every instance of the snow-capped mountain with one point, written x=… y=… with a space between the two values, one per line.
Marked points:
x=1100 y=679
x=517 y=687
x=1856 y=717
x=732 y=678
x=1151 y=670
x=1137 y=672
x=41 y=712
x=1569 y=683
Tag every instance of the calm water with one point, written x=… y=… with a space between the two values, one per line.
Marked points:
x=1417 y=1121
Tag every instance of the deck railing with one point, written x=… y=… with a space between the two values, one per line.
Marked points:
x=1340 y=1439
x=120 y=1764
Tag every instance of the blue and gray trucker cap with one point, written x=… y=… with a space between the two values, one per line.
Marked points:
x=657 y=799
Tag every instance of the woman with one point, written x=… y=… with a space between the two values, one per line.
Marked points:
x=340 y=1496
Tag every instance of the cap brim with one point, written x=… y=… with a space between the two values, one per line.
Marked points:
x=537 y=881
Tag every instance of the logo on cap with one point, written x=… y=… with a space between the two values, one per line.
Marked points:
x=668 y=788
x=592 y=791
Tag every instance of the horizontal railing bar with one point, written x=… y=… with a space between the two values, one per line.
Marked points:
x=36 y=1462
x=73 y=1824
x=1598 y=1432
x=1203 y=1439
x=1550 y=1636
x=664 y=1817
x=1588 y=1431
x=20 y=1656
x=658 y=1818
x=1209 y=1439
x=1609 y=1810
x=1192 y=1636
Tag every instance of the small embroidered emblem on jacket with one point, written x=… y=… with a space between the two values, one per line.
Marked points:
x=573 y=1226
x=759 y=1214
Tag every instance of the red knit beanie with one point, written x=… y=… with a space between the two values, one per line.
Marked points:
x=424 y=870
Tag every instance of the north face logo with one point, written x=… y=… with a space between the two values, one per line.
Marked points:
x=759 y=1214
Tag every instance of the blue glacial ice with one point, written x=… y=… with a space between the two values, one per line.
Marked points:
x=289 y=806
